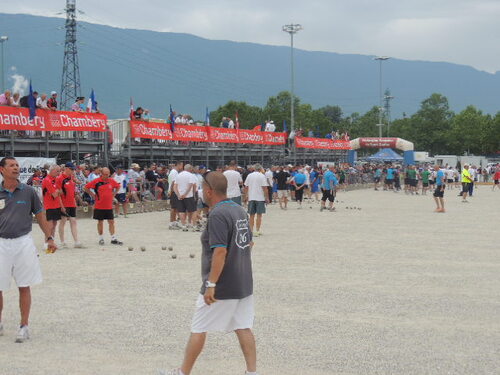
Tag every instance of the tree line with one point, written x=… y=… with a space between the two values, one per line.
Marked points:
x=433 y=128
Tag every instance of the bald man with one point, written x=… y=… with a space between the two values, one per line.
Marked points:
x=225 y=302
x=103 y=190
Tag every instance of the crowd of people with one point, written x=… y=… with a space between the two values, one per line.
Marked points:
x=110 y=192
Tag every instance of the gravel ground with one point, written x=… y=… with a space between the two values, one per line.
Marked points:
x=393 y=288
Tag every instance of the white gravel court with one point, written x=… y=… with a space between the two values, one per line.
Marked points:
x=392 y=289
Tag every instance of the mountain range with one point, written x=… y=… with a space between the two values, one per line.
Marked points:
x=157 y=69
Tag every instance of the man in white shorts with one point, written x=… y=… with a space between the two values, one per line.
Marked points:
x=225 y=302
x=18 y=254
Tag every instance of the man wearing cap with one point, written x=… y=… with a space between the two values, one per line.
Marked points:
x=66 y=184
x=225 y=302
x=52 y=102
x=103 y=190
x=18 y=255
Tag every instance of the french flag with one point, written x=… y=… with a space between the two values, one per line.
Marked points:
x=131 y=109
x=91 y=104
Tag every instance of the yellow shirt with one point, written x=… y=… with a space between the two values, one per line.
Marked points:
x=466 y=176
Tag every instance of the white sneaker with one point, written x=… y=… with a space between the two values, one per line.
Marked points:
x=79 y=245
x=185 y=228
x=1 y=329
x=257 y=234
x=174 y=226
x=63 y=245
x=176 y=371
x=23 y=334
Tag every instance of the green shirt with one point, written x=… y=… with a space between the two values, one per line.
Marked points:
x=412 y=174
x=425 y=176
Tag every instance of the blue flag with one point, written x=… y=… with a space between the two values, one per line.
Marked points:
x=262 y=126
x=32 y=103
x=284 y=126
x=172 y=119
x=207 y=118
x=92 y=104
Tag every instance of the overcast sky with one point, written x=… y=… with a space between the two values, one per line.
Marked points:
x=460 y=31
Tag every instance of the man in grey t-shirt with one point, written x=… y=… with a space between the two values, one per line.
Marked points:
x=225 y=302
x=18 y=255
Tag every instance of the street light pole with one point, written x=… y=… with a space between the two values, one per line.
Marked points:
x=3 y=39
x=292 y=29
x=380 y=108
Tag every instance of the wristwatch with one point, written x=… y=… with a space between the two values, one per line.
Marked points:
x=208 y=284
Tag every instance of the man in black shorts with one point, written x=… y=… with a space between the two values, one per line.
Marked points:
x=174 y=201
x=51 y=198
x=103 y=190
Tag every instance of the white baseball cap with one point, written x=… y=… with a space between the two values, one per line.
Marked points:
x=53 y=93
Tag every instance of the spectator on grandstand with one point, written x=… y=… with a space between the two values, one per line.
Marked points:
x=96 y=172
x=137 y=114
x=133 y=181
x=224 y=123
x=14 y=100
x=24 y=101
x=41 y=101
x=77 y=105
x=52 y=102
x=5 y=98
x=230 y=123
x=146 y=115
x=270 y=127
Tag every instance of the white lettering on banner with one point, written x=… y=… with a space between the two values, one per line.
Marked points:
x=152 y=131
x=22 y=120
x=186 y=133
x=255 y=137
x=79 y=122
x=275 y=138
x=220 y=135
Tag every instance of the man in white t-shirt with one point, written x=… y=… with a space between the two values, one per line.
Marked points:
x=234 y=182
x=185 y=186
x=258 y=195
x=121 y=194
x=450 y=177
x=270 y=181
x=174 y=224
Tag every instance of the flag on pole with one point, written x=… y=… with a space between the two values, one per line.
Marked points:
x=91 y=104
x=172 y=119
x=284 y=126
x=207 y=118
x=237 y=120
x=32 y=103
x=131 y=109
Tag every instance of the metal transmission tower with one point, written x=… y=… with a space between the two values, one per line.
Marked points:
x=70 y=84
x=387 y=108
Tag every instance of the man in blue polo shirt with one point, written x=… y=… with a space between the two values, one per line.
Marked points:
x=18 y=254
x=328 y=187
x=389 y=177
x=440 y=187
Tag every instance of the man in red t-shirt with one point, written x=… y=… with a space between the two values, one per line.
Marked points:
x=103 y=192
x=66 y=185
x=51 y=198
x=496 y=178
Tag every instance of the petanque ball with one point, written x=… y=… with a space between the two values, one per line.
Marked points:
x=143 y=248
x=174 y=256
x=170 y=248
x=191 y=255
x=164 y=248
x=130 y=248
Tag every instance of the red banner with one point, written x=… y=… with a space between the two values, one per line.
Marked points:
x=152 y=130
x=156 y=130
x=15 y=118
x=223 y=135
x=378 y=142
x=251 y=136
x=322 y=143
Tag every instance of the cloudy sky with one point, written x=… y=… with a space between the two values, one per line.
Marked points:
x=460 y=31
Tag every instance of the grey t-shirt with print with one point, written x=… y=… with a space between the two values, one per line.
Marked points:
x=228 y=227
